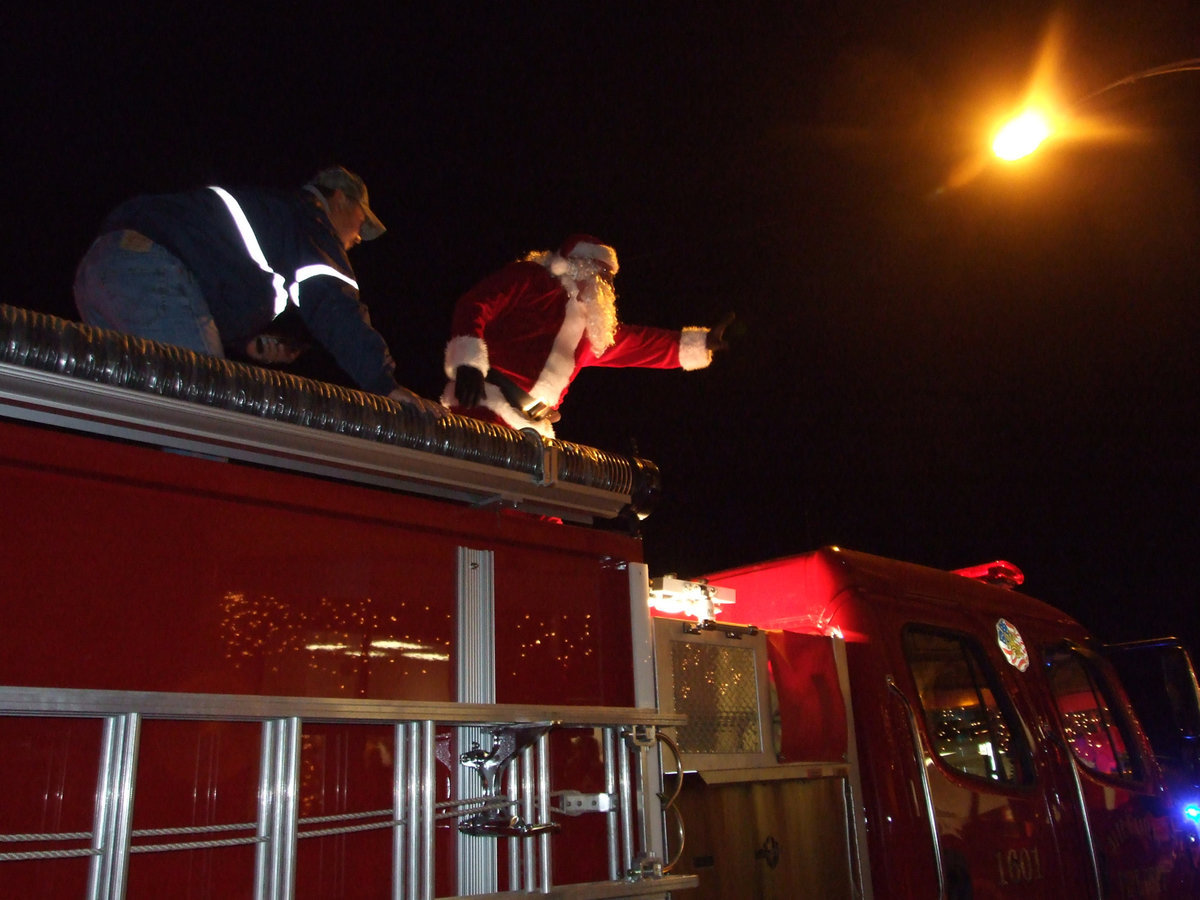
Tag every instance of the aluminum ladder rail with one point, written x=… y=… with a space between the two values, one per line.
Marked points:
x=279 y=826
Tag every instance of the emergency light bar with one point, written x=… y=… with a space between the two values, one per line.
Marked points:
x=1000 y=572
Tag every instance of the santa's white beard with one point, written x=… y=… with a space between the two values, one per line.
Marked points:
x=581 y=280
x=600 y=301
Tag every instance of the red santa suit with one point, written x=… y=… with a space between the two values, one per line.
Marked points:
x=536 y=323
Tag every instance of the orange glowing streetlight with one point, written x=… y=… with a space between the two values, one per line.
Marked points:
x=1021 y=135
x=1026 y=131
x=1044 y=117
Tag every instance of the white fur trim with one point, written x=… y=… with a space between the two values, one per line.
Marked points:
x=494 y=400
x=601 y=252
x=466 y=350
x=560 y=365
x=693 y=349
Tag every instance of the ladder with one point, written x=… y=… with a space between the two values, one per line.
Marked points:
x=512 y=801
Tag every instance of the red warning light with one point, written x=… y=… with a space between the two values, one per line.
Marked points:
x=1000 y=572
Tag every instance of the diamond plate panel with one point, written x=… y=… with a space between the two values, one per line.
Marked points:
x=717 y=687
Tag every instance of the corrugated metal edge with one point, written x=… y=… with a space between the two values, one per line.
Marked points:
x=75 y=376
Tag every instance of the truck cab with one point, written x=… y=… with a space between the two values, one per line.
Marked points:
x=997 y=751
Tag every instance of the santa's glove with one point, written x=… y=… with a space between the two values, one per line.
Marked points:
x=715 y=340
x=468 y=386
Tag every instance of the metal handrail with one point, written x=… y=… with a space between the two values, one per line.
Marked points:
x=74 y=376
x=82 y=702
x=919 y=754
x=278 y=829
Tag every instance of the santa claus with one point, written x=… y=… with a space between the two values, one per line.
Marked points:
x=520 y=336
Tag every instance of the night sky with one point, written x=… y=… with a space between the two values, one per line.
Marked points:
x=1004 y=369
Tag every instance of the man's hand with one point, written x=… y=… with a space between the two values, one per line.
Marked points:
x=468 y=386
x=408 y=398
x=271 y=350
x=715 y=340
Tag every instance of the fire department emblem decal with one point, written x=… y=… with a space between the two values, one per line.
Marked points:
x=1011 y=644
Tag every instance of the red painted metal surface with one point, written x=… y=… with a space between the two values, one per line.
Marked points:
x=1031 y=839
x=129 y=568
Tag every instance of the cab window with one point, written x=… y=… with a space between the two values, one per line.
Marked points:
x=969 y=718
x=1099 y=737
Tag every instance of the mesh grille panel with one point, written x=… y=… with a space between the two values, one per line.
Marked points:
x=717 y=688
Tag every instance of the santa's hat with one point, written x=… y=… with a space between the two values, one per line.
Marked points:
x=584 y=246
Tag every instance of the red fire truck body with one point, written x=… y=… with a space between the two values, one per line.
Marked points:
x=266 y=638
x=986 y=712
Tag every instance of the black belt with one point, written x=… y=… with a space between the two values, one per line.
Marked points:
x=529 y=406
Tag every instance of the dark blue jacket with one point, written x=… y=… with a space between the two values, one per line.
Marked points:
x=293 y=231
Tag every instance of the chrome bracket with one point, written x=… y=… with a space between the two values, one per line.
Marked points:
x=508 y=742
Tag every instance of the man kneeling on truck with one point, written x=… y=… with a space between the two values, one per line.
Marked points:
x=221 y=271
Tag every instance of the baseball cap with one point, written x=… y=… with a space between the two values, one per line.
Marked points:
x=341 y=179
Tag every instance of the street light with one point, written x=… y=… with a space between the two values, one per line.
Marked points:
x=1042 y=120
x=1026 y=131
x=1022 y=135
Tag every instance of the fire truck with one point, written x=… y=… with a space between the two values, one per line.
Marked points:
x=269 y=637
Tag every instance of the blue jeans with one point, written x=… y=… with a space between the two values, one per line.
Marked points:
x=128 y=283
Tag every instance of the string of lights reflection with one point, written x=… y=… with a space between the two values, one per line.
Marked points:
x=268 y=628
